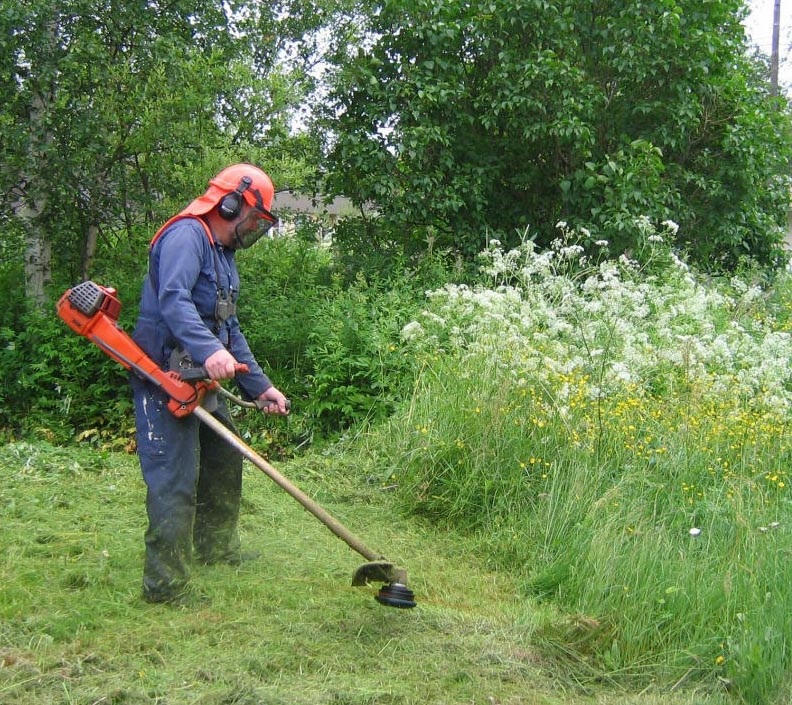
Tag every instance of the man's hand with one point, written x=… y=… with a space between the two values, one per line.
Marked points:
x=220 y=365
x=273 y=402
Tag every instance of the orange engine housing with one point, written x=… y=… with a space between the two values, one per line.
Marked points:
x=92 y=311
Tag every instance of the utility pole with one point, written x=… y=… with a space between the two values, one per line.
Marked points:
x=774 y=54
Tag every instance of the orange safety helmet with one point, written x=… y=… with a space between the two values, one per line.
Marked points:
x=228 y=189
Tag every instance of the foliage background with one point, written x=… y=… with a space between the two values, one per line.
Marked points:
x=458 y=120
x=450 y=124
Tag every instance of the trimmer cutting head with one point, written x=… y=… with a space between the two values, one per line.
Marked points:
x=396 y=595
x=395 y=592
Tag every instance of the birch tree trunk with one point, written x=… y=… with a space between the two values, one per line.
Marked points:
x=38 y=252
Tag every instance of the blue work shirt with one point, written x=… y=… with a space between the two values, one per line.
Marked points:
x=177 y=306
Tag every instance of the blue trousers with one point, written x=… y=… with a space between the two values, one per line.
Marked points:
x=194 y=488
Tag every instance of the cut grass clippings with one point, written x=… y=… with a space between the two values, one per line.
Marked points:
x=287 y=628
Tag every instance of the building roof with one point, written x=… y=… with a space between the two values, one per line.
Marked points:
x=294 y=202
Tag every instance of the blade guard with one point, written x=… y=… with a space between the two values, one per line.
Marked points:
x=92 y=311
x=380 y=571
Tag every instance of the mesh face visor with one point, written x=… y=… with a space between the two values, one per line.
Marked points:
x=253 y=227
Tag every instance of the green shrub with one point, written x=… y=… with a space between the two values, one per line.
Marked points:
x=56 y=385
x=331 y=344
x=359 y=369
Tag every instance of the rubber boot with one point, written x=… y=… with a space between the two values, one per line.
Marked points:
x=219 y=493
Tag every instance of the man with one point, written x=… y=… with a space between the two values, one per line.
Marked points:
x=188 y=316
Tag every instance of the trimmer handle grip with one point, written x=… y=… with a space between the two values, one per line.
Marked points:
x=265 y=403
x=199 y=374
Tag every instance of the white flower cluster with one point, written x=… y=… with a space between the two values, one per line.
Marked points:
x=611 y=322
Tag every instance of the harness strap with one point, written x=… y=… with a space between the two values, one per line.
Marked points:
x=181 y=216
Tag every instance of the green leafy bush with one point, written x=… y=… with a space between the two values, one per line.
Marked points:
x=330 y=344
x=56 y=385
x=359 y=369
x=470 y=118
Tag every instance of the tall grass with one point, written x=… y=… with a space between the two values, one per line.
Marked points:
x=617 y=432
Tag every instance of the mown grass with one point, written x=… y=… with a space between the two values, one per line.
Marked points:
x=287 y=628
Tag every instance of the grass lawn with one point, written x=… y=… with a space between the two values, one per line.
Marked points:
x=287 y=628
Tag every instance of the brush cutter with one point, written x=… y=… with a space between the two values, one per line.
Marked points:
x=92 y=311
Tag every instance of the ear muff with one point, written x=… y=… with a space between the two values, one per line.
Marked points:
x=231 y=205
